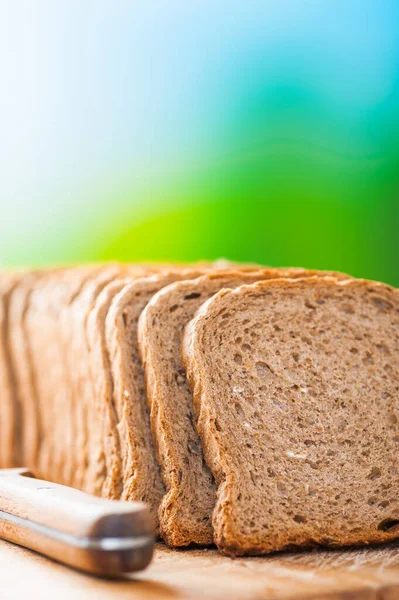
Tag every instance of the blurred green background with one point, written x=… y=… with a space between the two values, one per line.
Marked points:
x=258 y=131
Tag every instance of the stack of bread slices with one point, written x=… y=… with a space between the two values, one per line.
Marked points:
x=254 y=408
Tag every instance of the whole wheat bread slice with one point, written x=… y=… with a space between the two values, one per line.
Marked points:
x=48 y=348
x=101 y=377
x=45 y=337
x=185 y=512
x=107 y=478
x=296 y=389
x=10 y=418
x=95 y=439
x=141 y=479
x=46 y=392
x=102 y=447
x=21 y=364
x=54 y=337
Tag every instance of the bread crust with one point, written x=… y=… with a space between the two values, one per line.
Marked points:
x=226 y=426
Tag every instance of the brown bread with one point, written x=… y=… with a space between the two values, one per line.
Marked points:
x=94 y=433
x=43 y=318
x=56 y=376
x=186 y=509
x=10 y=419
x=296 y=388
x=100 y=372
x=44 y=380
x=20 y=361
x=53 y=368
x=140 y=477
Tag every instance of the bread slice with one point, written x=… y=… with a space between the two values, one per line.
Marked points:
x=100 y=371
x=43 y=378
x=87 y=411
x=185 y=512
x=141 y=479
x=102 y=466
x=93 y=439
x=296 y=389
x=56 y=371
x=10 y=448
x=48 y=315
x=20 y=360
x=87 y=453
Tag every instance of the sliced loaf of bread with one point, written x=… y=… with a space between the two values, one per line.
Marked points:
x=54 y=380
x=296 y=391
x=140 y=476
x=186 y=509
x=101 y=379
x=44 y=379
x=49 y=348
x=20 y=363
x=10 y=419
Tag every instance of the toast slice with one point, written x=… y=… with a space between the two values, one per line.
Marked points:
x=10 y=442
x=54 y=338
x=141 y=478
x=21 y=365
x=185 y=512
x=101 y=378
x=87 y=411
x=46 y=392
x=104 y=476
x=43 y=319
x=92 y=434
x=296 y=390
x=101 y=470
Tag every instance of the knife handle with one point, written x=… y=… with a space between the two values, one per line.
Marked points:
x=105 y=537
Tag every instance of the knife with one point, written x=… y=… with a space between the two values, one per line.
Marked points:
x=95 y=535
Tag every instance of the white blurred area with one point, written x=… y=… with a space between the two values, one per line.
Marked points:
x=100 y=96
x=94 y=95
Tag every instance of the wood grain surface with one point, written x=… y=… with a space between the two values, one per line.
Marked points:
x=371 y=574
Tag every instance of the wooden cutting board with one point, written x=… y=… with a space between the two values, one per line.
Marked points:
x=194 y=574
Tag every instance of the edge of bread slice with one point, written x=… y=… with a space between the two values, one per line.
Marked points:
x=83 y=328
